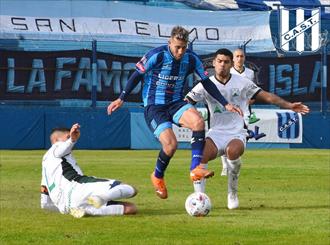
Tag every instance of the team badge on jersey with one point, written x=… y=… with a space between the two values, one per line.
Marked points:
x=235 y=92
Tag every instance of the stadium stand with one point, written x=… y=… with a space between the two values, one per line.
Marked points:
x=36 y=49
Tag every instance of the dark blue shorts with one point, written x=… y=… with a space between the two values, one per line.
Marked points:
x=161 y=117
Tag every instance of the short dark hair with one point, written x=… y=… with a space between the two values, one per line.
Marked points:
x=180 y=33
x=60 y=129
x=225 y=52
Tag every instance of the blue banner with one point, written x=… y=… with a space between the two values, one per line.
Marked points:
x=132 y=24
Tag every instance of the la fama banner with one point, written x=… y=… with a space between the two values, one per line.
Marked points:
x=265 y=126
x=68 y=75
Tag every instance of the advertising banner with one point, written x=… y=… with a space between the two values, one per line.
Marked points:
x=68 y=75
x=131 y=23
x=268 y=126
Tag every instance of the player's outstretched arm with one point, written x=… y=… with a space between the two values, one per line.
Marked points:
x=276 y=100
x=75 y=132
x=45 y=201
x=64 y=148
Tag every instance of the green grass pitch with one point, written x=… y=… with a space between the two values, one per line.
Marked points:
x=284 y=199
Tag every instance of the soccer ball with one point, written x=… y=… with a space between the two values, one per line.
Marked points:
x=198 y=204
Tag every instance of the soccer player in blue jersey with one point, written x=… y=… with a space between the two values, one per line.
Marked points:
x=163 y=71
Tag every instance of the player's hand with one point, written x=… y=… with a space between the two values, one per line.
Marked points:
x=75 y=132
x=233 y=108
x=114 y=105
x=300 y=107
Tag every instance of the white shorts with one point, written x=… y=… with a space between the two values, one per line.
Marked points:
x=221 y=139
x=78 y=195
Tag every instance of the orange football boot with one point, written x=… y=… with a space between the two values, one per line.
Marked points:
x=159 y=185
x=200 y=172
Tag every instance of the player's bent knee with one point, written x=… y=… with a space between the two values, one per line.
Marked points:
x=198 y=124
x=234 y=153
x=135 y=191
x=170 y=148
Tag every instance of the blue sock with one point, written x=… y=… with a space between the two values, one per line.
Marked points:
x=162 y=162
x=197 y=146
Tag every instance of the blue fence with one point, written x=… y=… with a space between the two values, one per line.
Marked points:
x=29 y=128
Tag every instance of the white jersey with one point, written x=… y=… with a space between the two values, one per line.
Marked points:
x=58 y=167
x=237 y=91
x=247 y=72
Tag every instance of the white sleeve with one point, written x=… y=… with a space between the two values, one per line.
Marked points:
x=62 y=149
x=46 y=203
x=251 y=89
x=197 y=94
x=250 y=74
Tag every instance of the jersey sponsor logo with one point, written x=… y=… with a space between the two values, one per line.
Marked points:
x=304 y=36
x=288 y=125
x=168 y=85
x=169 y=77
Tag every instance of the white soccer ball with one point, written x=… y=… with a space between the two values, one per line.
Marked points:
x=198 y=204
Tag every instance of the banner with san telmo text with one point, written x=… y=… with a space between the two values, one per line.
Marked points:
x=131 y=23
x=68 y=75
x=268 y=126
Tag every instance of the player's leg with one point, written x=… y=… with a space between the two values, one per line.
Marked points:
x=187 y=116
x=234 y=150
x=160 y=124
x=169 y=144
x=91 y=191
x=112 y=208
x=210 y=152
x=97 y=192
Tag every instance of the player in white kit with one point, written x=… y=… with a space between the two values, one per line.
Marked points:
x=64 y=188
x=227 y=133
x=240 y=69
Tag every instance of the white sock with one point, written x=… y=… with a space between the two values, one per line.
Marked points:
x=115 y=209
x=199 y=185
x=224 y=161
x=234 y=167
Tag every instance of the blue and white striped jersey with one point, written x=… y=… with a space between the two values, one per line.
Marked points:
x=164 y=77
